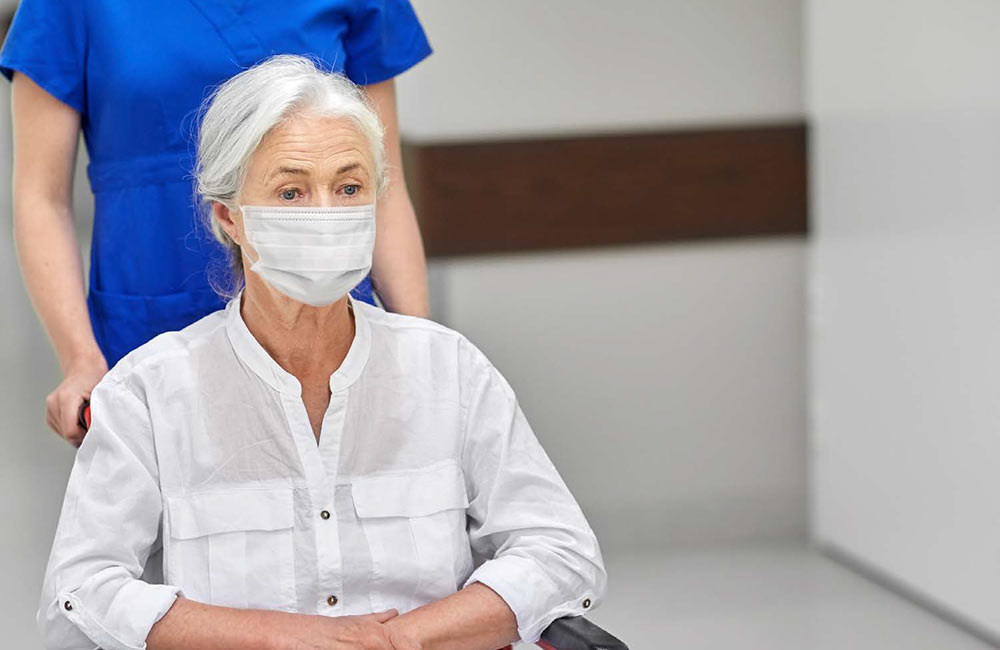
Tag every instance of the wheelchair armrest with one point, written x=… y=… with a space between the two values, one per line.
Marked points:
x=577 y=633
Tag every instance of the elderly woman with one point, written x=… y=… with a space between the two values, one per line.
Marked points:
x=302 y=470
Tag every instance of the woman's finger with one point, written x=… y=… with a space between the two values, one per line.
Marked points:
x=69 y=424
x=50 y=419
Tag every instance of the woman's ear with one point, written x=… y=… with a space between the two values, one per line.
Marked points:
x=224 y=217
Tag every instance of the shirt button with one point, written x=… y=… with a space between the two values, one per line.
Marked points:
x=331 y=600
x=68 y=605
x=586 y=602
x=324 y=514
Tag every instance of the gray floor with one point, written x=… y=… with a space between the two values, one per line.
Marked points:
x=773 y=597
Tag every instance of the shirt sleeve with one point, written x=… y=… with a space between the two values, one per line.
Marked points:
x=109 y=526
x=541 y=555
x=47 y=42
x=384 y=39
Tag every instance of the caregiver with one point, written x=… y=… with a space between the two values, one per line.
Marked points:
x=132 y=75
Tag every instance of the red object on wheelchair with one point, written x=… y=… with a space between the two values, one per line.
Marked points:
x=83 y=417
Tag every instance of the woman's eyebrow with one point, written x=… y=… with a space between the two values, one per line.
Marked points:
x=298 y=171
x=289 y=171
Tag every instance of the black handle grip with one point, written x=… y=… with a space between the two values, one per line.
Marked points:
x=577 y=633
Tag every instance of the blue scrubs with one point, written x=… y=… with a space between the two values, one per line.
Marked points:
x=137 y=72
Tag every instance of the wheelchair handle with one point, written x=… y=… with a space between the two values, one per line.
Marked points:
x=577 y=633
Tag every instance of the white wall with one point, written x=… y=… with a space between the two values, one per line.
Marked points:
x=667 y=381
x=905 y=112
x=521 y=67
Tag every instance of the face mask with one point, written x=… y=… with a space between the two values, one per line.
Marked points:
x=313 y=255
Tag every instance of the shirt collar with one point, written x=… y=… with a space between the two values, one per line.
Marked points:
x=253 y=354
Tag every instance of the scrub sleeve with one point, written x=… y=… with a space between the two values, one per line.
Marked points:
x=138 y=73
x=47 y=42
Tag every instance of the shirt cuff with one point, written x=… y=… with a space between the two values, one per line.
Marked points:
x=531 y=594
x=126 y=623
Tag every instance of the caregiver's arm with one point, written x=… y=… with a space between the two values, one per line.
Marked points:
x=542 y=559
x=46 y=132
x=399 y=270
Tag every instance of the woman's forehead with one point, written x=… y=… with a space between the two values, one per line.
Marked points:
x=313 y=140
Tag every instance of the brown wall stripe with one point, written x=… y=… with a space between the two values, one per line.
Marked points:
x=492 y=197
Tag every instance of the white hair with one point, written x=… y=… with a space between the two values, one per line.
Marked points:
x=242 y=111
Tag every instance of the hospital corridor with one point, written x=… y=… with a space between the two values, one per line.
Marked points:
x=735 y=264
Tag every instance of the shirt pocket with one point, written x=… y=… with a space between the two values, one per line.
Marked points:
x=415 y=524
x=233 y=548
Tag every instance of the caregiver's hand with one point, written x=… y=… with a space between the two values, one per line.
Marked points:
x=62 y=406
x=310 y=632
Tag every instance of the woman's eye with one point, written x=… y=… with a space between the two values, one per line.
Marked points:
x=351 y=190
x=289 y=194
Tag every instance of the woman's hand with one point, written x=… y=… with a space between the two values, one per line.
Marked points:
x=311 y=632
x=62 y=406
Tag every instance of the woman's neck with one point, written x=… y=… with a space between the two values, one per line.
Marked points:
x=308 y=342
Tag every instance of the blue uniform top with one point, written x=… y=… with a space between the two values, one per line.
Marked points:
x=138 y=72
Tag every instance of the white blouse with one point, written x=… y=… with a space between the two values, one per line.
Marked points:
x=201 y=476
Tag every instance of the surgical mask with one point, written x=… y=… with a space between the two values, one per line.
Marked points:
x=313 y=255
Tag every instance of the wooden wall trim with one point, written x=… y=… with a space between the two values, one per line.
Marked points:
x=563 y=193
